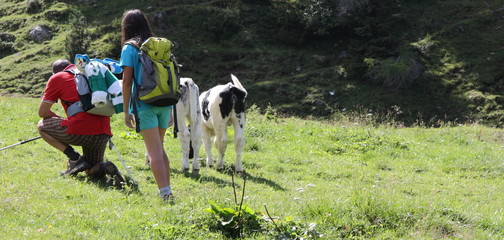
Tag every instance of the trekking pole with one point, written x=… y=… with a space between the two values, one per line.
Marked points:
x=112 y=146
x=23 y=142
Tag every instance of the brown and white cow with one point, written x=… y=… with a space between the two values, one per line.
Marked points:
x=222 y=106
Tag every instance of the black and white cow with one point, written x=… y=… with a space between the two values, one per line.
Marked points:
x=222 y=106
x=189 y=135
x=188 y=108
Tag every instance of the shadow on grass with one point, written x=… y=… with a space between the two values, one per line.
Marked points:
x=106 y=183
x=197 y=177
x=228 y=171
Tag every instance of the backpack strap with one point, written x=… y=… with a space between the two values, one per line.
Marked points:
x=73 y=107
x=135 y=42
x=133 y=99
x=134 y=96
x=137 y=119
x=175 y=122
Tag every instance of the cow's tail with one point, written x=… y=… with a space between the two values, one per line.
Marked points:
x=193 y=95
x=238 y=85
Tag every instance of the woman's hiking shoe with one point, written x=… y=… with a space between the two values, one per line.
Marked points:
x=77 y=166
x=113 y=172
x=168 y=198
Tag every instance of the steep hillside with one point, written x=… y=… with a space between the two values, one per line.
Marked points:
x=417 y=62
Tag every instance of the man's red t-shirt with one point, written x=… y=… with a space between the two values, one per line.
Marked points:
x=62 y=86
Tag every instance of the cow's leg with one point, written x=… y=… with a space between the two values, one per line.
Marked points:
x=207 y=142
x=184 y=137
x=239 y=143
x=183 y=132
x=196 y=144
x=147 y=159
x=221 y=144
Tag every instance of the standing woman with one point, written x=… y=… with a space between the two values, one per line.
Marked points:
x=153 y=120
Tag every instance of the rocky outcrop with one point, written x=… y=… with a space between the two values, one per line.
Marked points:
x=40 y=33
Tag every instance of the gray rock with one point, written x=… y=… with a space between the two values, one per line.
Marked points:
x=40 y=33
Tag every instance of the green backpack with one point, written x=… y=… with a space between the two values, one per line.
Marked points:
x=160 y=85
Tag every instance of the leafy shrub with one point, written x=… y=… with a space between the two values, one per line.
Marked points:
x=7 y=44
x=6 y=48
x=33 y=6
x=242 y=221
x=394 y=73
x=424 y=46
x=7 y=37
x=238 y=221
x=58 y=12
x=234 y=222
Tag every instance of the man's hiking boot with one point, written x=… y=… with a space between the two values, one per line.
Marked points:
x=113 y=172
x=77 y=166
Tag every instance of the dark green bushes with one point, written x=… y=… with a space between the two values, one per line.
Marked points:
x=394 y=72
x=6 y=44
x=77 y=40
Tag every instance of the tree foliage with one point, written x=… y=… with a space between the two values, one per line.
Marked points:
x=77 y=41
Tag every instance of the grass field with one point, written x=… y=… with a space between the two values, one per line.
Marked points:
x=324 y=180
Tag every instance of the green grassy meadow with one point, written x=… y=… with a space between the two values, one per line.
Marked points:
x=317 y=179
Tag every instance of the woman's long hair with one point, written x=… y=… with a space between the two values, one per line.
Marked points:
x=135 y=25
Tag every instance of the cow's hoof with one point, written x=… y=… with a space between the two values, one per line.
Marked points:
x=195 y=171
x=185 y=169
